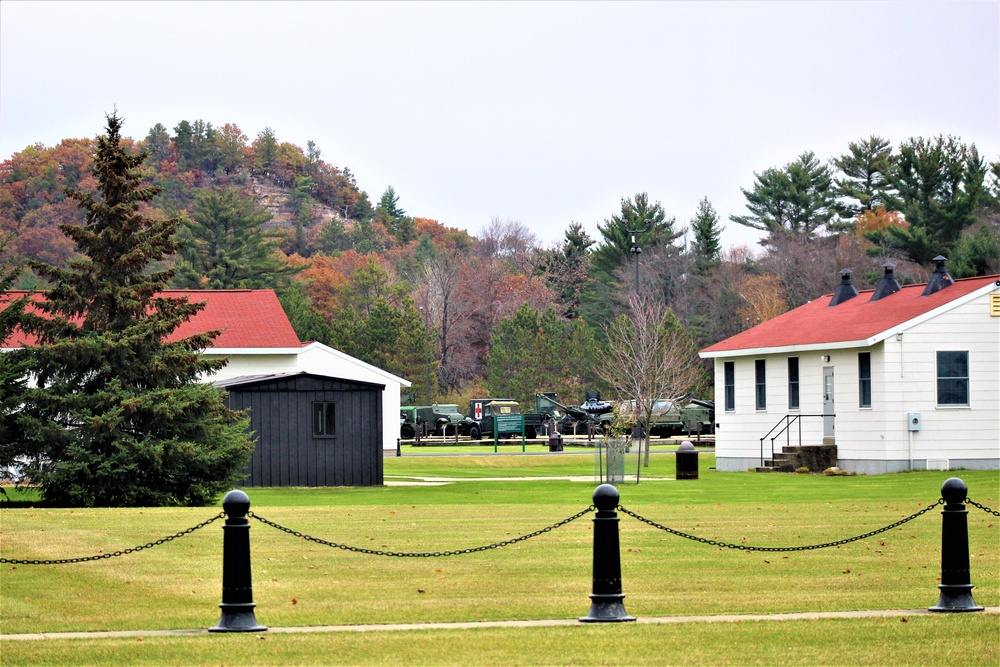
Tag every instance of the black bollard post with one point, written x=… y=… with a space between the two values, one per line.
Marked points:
x=237 y=586
x=956 y=584
x=606 y=600
x=399 y=452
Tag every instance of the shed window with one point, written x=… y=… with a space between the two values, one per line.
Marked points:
x=324 y=419
x=760 y=385
x=793 y=383
x=729 y=369
x=864 y=379
x=953 y=378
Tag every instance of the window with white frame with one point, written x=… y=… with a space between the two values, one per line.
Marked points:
x=953 y=378
x=729 y=372
x=793 y=383
x=864 y=379
x=760 y=384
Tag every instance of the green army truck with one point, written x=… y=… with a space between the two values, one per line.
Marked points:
x=481 y=413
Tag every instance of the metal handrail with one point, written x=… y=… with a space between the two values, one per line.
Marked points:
x=785 y=423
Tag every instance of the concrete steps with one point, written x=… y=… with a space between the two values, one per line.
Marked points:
x=816 y=458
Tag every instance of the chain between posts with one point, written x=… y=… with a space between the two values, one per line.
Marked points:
x=810 y=547
x=982 y=507
x=113 y=554
x=421 y=554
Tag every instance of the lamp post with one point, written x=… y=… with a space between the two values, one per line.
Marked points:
x=635 y=251
x=427 y=357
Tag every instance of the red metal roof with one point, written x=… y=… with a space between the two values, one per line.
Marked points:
x=246 y=318
x=858 y=319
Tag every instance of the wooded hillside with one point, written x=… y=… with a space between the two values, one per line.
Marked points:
x=474 y=313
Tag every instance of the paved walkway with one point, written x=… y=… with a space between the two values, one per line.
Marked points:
x=397 y=627
x=420 y=480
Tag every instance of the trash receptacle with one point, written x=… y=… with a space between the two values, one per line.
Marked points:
x=555 y=441
x=687 y=461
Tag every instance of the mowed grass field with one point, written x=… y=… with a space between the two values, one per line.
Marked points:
x=299 y=583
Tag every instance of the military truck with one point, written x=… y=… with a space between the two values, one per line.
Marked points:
x=439 y=418
x=675 y=416
x=482 y=410
x=408 y=422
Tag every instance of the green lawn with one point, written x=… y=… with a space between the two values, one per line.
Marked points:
x=301 y=583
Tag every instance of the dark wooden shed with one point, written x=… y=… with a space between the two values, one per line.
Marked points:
x=311 y=430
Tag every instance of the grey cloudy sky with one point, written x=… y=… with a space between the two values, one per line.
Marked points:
x=545 y=113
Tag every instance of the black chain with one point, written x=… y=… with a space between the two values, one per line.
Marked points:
x=810 y=547
x=64 y=561
x=421 y=554
x=982 y=507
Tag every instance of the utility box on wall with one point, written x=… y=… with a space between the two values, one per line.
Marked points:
x=913 y=421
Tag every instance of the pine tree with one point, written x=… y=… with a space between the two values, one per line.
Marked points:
x=224 y=246
x=796 y=199
x=636 y=214
x=118 y=416
x=939 y=186
x=865 y=169
x=706 y=245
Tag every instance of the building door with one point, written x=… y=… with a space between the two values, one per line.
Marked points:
x=829 y=413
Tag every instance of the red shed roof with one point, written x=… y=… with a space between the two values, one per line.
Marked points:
x=858 y=320
x=246 y=318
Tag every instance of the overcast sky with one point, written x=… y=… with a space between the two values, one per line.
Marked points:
x=545 y=113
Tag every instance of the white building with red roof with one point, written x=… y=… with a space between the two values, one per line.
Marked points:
x=898 y=378
x=258 y=340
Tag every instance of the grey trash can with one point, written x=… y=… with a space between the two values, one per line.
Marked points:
x=687 y=461
x=555 y=441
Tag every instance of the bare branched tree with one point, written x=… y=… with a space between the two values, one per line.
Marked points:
x=509 y=240
x=649 y=357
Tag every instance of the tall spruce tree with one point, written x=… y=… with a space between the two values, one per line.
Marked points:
x=13 y=367
x=118 y=416
x=706 y=245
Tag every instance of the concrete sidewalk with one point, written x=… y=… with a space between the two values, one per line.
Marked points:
x=398 y=627
x=421 y=480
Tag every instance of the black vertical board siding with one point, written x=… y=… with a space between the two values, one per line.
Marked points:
x=305 y=416
x=286 y=453
x=287 y=440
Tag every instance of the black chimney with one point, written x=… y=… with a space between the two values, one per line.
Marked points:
x=845 y=290
x=888 y=285
x=939 y=279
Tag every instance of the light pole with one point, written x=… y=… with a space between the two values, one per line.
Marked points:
x=635 y=251
x=427 y=357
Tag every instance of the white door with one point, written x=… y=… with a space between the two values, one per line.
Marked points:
x=828 y=409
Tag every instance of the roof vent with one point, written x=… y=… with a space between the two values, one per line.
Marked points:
x=845 y=290
x=888 y=285
x=939 y=279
